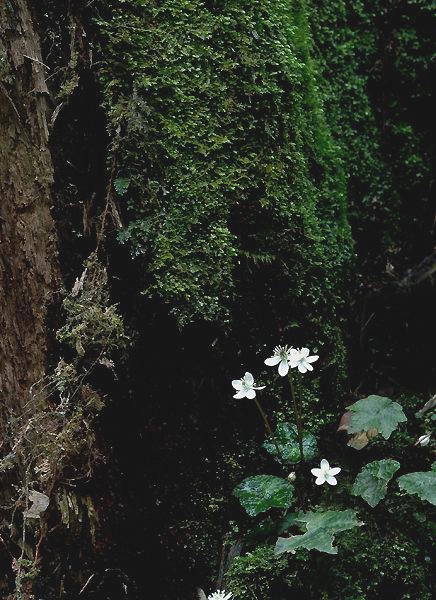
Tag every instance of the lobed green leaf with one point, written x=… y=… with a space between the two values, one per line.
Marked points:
x=421 y=483
x=320 y=531
x=371 y=483
x=376 y=412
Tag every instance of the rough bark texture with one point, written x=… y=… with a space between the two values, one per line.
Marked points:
x=28 y=254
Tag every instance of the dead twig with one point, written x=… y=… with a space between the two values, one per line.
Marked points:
x=37 y=61
x=87 y=583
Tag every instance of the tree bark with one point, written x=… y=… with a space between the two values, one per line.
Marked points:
x=29 y=271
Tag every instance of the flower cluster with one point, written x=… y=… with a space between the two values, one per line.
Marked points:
x=286 y=358
x=291 y=358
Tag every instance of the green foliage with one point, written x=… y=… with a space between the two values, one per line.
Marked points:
x=27 y=571
x=376 y=412
x=121 y=185
x=287 y=442
x=376 y=565
x=217 y=122
x=376 y=70
x=423 y=484
x=321 y=528
x=370 y=565
x=371 y=483
x=255 y=574
x=262 y=492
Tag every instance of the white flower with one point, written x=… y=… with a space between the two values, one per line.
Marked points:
x=325 y=473
x=301 y=359
x=245 y=387
x=292 y=477
x=424 y=440
x=220 y=595
x=280 y=357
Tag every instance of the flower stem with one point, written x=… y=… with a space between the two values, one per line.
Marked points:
x=268 y=429
x=297 y=412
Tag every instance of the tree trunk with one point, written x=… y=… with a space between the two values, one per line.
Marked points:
x=28 y=253
x=29 y=273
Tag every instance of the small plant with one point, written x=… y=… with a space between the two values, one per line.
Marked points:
x=291 y=446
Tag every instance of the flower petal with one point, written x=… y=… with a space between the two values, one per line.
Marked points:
x=237 y=384
x=240 y=394
x=301 y=367
x=312 y=359
x=320 y=480
x=331 y=480
x=307 y=365
x=325 y=465
x=248 y=377
x=335 y=471
x=250 y=394
x=283 y=368
x=294 y=363
x=273 y=361
x=294 y=354
x=304 y=352
x=317 y=472
x=259 y=387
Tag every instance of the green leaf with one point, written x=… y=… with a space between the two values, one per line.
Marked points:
x=376 y=412
x=287 y=441
x=371 y=483
x=422 y=483
x=121 y=185
x=321 y=528
x=262 y=492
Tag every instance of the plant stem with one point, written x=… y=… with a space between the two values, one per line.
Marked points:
x=297 y=411
x=268 y=429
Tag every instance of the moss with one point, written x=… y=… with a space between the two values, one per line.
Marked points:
x=369 y=565
x=217 y=122
x=381 y=566
x=27 y=572
x=255 y=574
x=375 y=72
x=92 y=325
